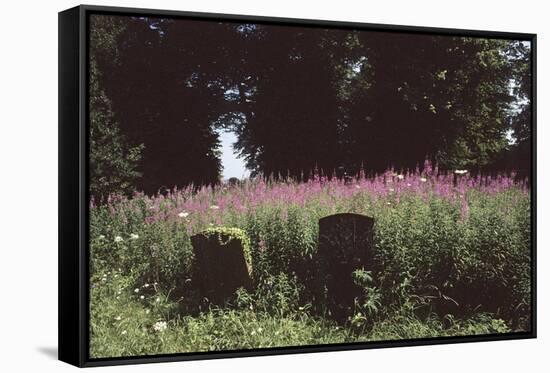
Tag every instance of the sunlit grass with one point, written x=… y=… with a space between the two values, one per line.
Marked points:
x=452 y=257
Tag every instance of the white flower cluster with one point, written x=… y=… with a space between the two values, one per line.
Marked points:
x=160 y=326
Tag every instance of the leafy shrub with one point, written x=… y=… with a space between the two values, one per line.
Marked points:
x=155 y=252
x=275 y=295
x=369 y=305
x=233 y=234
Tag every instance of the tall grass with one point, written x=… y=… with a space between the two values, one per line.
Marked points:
x=451 y=257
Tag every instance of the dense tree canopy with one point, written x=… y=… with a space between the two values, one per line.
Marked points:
x=306 y=98
x=113 y=162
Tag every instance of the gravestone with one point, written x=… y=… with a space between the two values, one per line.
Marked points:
x=222 y=263
x=345 y=244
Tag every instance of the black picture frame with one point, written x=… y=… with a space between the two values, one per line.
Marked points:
x=74 y=180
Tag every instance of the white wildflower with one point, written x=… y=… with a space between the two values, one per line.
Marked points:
x=423 y=179
x=123 y=332
x=183 y=214
x=136 y=290
x=400 y=177
x=147 y=312
x=118 y=318
x=461 y=172
x=146 y=285
x=134 y=236
x=142 y=297
x=157 y=300
x=160 y=326
x=118 y=239
x=408 y=184
x=214 y=207
x=101 y=237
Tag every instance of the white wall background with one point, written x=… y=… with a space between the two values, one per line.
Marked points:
x=28 y=184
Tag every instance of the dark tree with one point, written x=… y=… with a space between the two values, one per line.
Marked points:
x=444 y=98
x=167 y=90
x=289 y=124
x=306 y=99
x=113 y=161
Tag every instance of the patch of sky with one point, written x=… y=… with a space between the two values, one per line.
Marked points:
x=233 y=166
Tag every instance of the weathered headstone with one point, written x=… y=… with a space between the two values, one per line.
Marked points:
x=222 y=263
x=345 y=244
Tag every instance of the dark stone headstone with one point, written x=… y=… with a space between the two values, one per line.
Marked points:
x=220 y=265
x=345 y=244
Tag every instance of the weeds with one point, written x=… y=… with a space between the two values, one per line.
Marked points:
x=451 y=257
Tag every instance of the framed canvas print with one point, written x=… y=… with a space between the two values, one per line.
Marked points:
x=236 y=186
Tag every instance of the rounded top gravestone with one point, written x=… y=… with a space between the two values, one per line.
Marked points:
x=345 y=244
